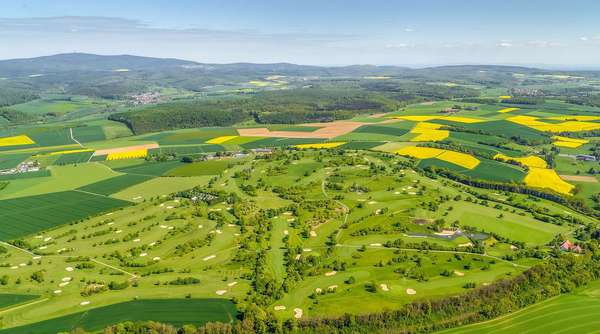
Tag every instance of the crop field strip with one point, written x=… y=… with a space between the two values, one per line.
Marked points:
x=173 y=311
x=113 y=185
x=27 y=215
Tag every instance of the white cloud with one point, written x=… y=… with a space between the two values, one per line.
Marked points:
x=505 y=44
x=583 y=38
x=409 y=29
x=396 y=46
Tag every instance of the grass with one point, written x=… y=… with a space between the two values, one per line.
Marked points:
x=570 y=313
x=151 y=168
x=9 y=299
x=115 y=184
x=63 y=178
x=210 y=167
x=177 y=312
x=85 y=134
x=27 y=215
x=73 y=158
x=160 y=186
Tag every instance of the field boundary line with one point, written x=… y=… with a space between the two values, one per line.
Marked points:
x=23 y=305
x=113 y=267
x=346 y=209
x=19 y=248
x=73 y=138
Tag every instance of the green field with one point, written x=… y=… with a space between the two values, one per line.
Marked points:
x=173 y=311
x=151 y=168
x=571 y=313
x=7 y=299
x=211 y=167
x=73 y=158
x=115 y=184
x=27 y=215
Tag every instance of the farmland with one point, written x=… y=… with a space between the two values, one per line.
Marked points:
x=576 y=311
x=32 y=214
x=302 y=202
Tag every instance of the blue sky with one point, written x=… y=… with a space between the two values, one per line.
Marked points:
x=326 y=32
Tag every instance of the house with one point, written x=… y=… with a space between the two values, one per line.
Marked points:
x=568 y=246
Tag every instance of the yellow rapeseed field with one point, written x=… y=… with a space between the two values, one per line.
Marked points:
x=133 y=154
x=568 y=142
x=220 y=140
x=568 y=126
x=16 y=141
x=457 y=158
x=321 y=145
x=460 y=159
x=70 y=151
x=575 y=118
x=429 y=132
x=505 y=97
x=530 y=161
x=505 y=110
x=420 y=152
x=548 y=179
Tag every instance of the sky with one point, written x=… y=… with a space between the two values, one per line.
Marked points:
x=545 y=33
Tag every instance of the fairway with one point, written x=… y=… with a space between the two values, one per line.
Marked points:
x=27 y=215
x=173 y=311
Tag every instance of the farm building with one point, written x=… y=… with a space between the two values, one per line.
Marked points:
x=585 y=157
x=568 y=246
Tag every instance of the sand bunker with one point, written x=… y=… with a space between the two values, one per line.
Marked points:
x=313 y=233
x=69 y=268
x=384 y=287
x=331 y=273
x=298 y=313
x=411 y=292
x=279 y=308
x=458 y=273
x=232 y=284
x=221 y=292
x=84 y=303
x=156 y=258
x=210 y=257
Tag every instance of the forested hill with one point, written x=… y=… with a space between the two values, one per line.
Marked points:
x=84 y=62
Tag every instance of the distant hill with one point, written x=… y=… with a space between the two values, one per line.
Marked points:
x=85 y=62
